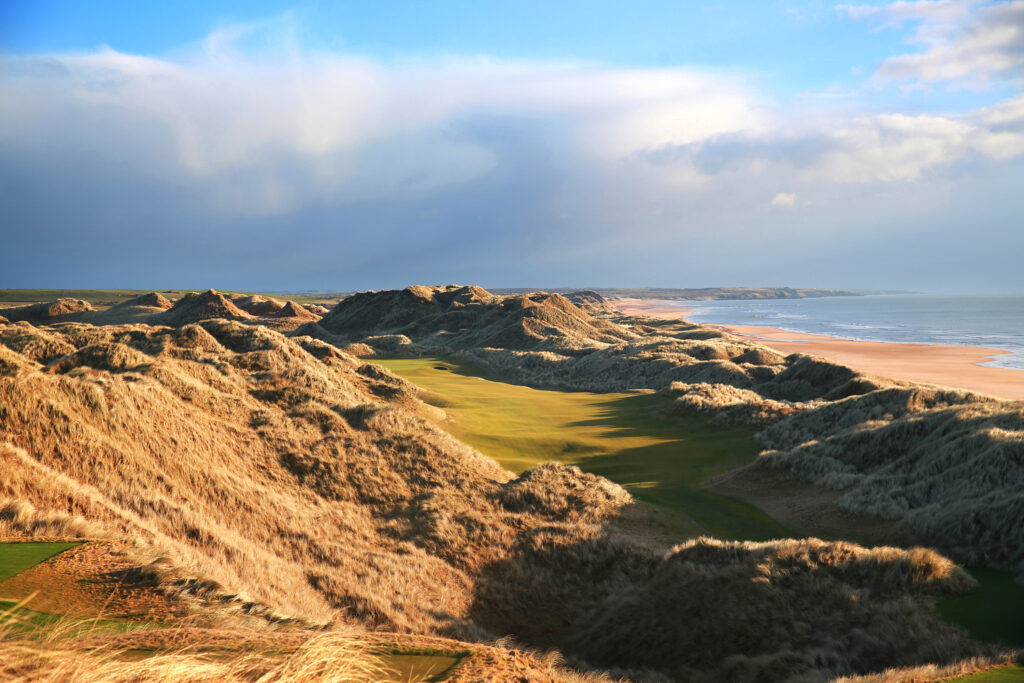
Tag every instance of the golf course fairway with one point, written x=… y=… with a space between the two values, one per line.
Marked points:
x=625 y=437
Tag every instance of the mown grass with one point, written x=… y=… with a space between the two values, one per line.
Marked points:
x=994 y=612
x=624 y=437
x=1006 y=674
x=17 y=557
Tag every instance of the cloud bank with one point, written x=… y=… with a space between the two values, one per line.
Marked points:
x=965 y=42
x=336 y=171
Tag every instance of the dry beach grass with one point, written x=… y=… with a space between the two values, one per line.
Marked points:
x=285 y=479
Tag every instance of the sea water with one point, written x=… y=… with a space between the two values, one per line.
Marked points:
x=994 y=321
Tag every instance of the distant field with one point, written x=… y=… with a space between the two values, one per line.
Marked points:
x=624 y=437
x=109 y=297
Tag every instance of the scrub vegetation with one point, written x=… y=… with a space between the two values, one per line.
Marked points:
x=282 y=483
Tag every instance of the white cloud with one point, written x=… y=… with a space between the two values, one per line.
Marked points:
x=270 y=136
x=965 y=43
x=896 y=13
x=883 y=148
x=455 y=161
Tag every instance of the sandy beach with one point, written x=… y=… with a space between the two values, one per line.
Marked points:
x=952 y=366
x=655 y=308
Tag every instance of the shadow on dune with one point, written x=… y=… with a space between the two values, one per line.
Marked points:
x=720 y=610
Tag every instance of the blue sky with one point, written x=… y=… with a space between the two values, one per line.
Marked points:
x=793 y=46
x=358 y=145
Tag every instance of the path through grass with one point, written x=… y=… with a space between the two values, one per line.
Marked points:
x=624 y=437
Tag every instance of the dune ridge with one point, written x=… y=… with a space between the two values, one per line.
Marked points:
x=292 y=480
x=945 y=466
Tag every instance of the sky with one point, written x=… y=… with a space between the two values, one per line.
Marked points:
x=348 y=146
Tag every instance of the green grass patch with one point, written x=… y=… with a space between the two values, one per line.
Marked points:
x=17 y=557
x=994 y=612
x=1004 y=674
x=626 y=437
x=19 y=620
x=421 y=665
x=93 y=296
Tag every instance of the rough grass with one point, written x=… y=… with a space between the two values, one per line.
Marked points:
x=624 y=437
x=103 y=297
x=282 y=477
x=64 y=651
x=946 y=466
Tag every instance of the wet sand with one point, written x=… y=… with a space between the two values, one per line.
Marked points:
x=951 y=366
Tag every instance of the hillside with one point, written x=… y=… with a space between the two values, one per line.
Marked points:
x=937 y=466
x=289 y=480
x=154 y=308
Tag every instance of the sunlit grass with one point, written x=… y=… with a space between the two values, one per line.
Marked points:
x=17 y=557
x=1005 y=674
x=661 y=459
x=625 y=437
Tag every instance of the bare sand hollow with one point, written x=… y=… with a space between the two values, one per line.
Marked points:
x=952 y=366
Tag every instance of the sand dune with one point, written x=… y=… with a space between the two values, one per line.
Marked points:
x=953 y=366
x=286 y=478
x=823 y=422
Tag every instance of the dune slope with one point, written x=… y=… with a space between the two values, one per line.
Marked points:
x=292 y=479
x=945 y=466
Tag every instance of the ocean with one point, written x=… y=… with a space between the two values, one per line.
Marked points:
x=993 y=321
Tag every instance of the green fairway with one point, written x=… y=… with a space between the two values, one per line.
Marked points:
x=17 y=557
x=622 y=436
x=660 y=459
x=1006 y=674
x=994 y=612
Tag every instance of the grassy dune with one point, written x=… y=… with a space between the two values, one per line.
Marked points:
x=621 y=436
x=626 y=438
x=282 y=479
x=102 y=297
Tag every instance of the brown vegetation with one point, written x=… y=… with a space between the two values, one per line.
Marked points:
x=62 y=309
x=946 y=465
x=286 y=478
x=255 y=304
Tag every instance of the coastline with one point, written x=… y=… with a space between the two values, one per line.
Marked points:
x=952 y=366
